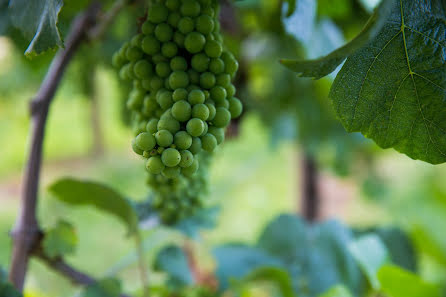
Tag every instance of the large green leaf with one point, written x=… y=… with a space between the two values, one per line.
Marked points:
x=78 y=192
x=396 y=282
x=60 y=240
x=394 y=89
x=325 y=65
x=371 y=254
x=8 y=290
x=316 y=256
x=274 y=275
x=37 y=20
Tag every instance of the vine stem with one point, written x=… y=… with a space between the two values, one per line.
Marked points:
x=26 y=230
x=310 y=198
x=142 y=264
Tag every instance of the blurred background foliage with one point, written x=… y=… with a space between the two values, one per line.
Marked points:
x=256 y=174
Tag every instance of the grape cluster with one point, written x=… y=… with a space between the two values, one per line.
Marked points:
x=182 y=97
x=179 y=198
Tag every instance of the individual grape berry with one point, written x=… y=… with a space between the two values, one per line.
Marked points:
x=216 y=66
x=147 y=28
x=218 y=93
x=206 y=127
x=157 y=13
x=200 y=62
x=162 y=69
x=212 y=111
x=190 y=8
x=136 y=40
x=173 y=19
x=204 y=24
x=222 y=117
x=186 y=25
x=230 y=90
x=169 y=49
x=178 y=63
x=150 y=45
x=171 y=157
x=154 y=165
x=163 y=32
x=142 y=69
x=195 y=147
x=164 y=138
x=158 y=58
x=187 y=158
x=213 y=49
x=180 y=94
x=182 y=140
x=191 y=170
x=195 y=127
x=222 y=103
x=223 y=79
x=235 y=107
x=219 y=134
x=209 y=142
x=133 y=54
x=173 y=4
x=207 y=80
x=231 y=66
x=156 y=83
x=181 y=110
x=200 y=111
x=151 y=126
x=171 y=172
x=169 y=123
x=146 y=141
x=135 y=148
x=194 y=76
x=194 y=42
x=164 y=99
x=178 y=79
x=178 y=38
x=196 y=97
x=207 y=10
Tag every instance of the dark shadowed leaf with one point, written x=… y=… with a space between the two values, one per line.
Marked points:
x=393 y=90
x=60 y=240
x=203 y=219
x=325 y=65
x=78 y=192
x=108 y=287
x=173 y=261
x=37 y=20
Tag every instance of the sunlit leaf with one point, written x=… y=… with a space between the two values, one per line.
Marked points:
x=60 y=240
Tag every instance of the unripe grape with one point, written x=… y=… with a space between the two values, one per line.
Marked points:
x=133 y=54
x=163 y=32
x=223 y=79
x=164 y=138
x=178 y=38
x=135 y=148
x=200 y=111
x=218 y=93
x=186 y=25
x=178 y=79
x=178 y=63
x=191 y=170
x=171 y=172
x=182 y=140
x=219 y=134
x=207 y=80
x=142 y=69
x=204 y=24
x=235 y=107
x=209 y=142
x=190 y=8
x=157 y=13
x=200 y=62
x=222 y=117
x=155 y=165
x=187 y=158
x=171 y=157
x=180 y=94
x=173 y=4
x=173 y=19
x=213 y=49
x=195 y=148
x=169 y=49
x=145 y=141
x=170 y=124
x=151 y=126
x=196 y=97
x=230 y=90
x=150 y=45
x=195 y=127
x=148 y=28
x=212 y=111
x=194 y=42
x=217 y=66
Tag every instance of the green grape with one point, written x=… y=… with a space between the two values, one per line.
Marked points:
x=194 y=42
x=195 y=127
x=212 y=111
x=190 y=8
x=181 y=110
x=194 y=76
x=133 y=54
x=206 y=127
x=151 y=126
x=217 y=66
x=230 y=90
x=173 y=4
x=186 y=25
x=164 y=138
x=142 y=69
x=204 y=24
x=169 y=124
x=200 y=62
x=187 y=158
x=155 y=165
x=223 y=79
x=136 y=40
x=218 y=93
x=208 y=11
x=156 y=83
x=178 y=79
x=165 y=99
x=157 y=13
x=171 y=157
x=145 y=141
x=171 y=172
x=196 y=97
x=213 y=49
x=178 y=38
x=150 y=45
x=180 y=94
x=178 y=63
x=192 y=169
x=173 y=19
x=147 y=28
x=209 y=142
x=162 y=69
x=195 y=147
x=135 y=148
x=222 y=117
x=169 y=49
x=223 y=103
x=235 y=107
x=200 y=111
x=207 y=80
x=158 y=58
x=219 y=134
x=163 y=32
x=182 y=140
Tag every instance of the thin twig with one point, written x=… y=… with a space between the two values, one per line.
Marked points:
x=310 y=199
x=142 y=264
x=26 y=229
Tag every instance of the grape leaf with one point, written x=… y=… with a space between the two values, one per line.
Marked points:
x=323 y=66
x=173 y=261
x=80 y=192
x=60 y=240
x=274 y=275
x=396 y=282
x=37 y=20
x=394 y=89
x=291 y=7
x=371 y=254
